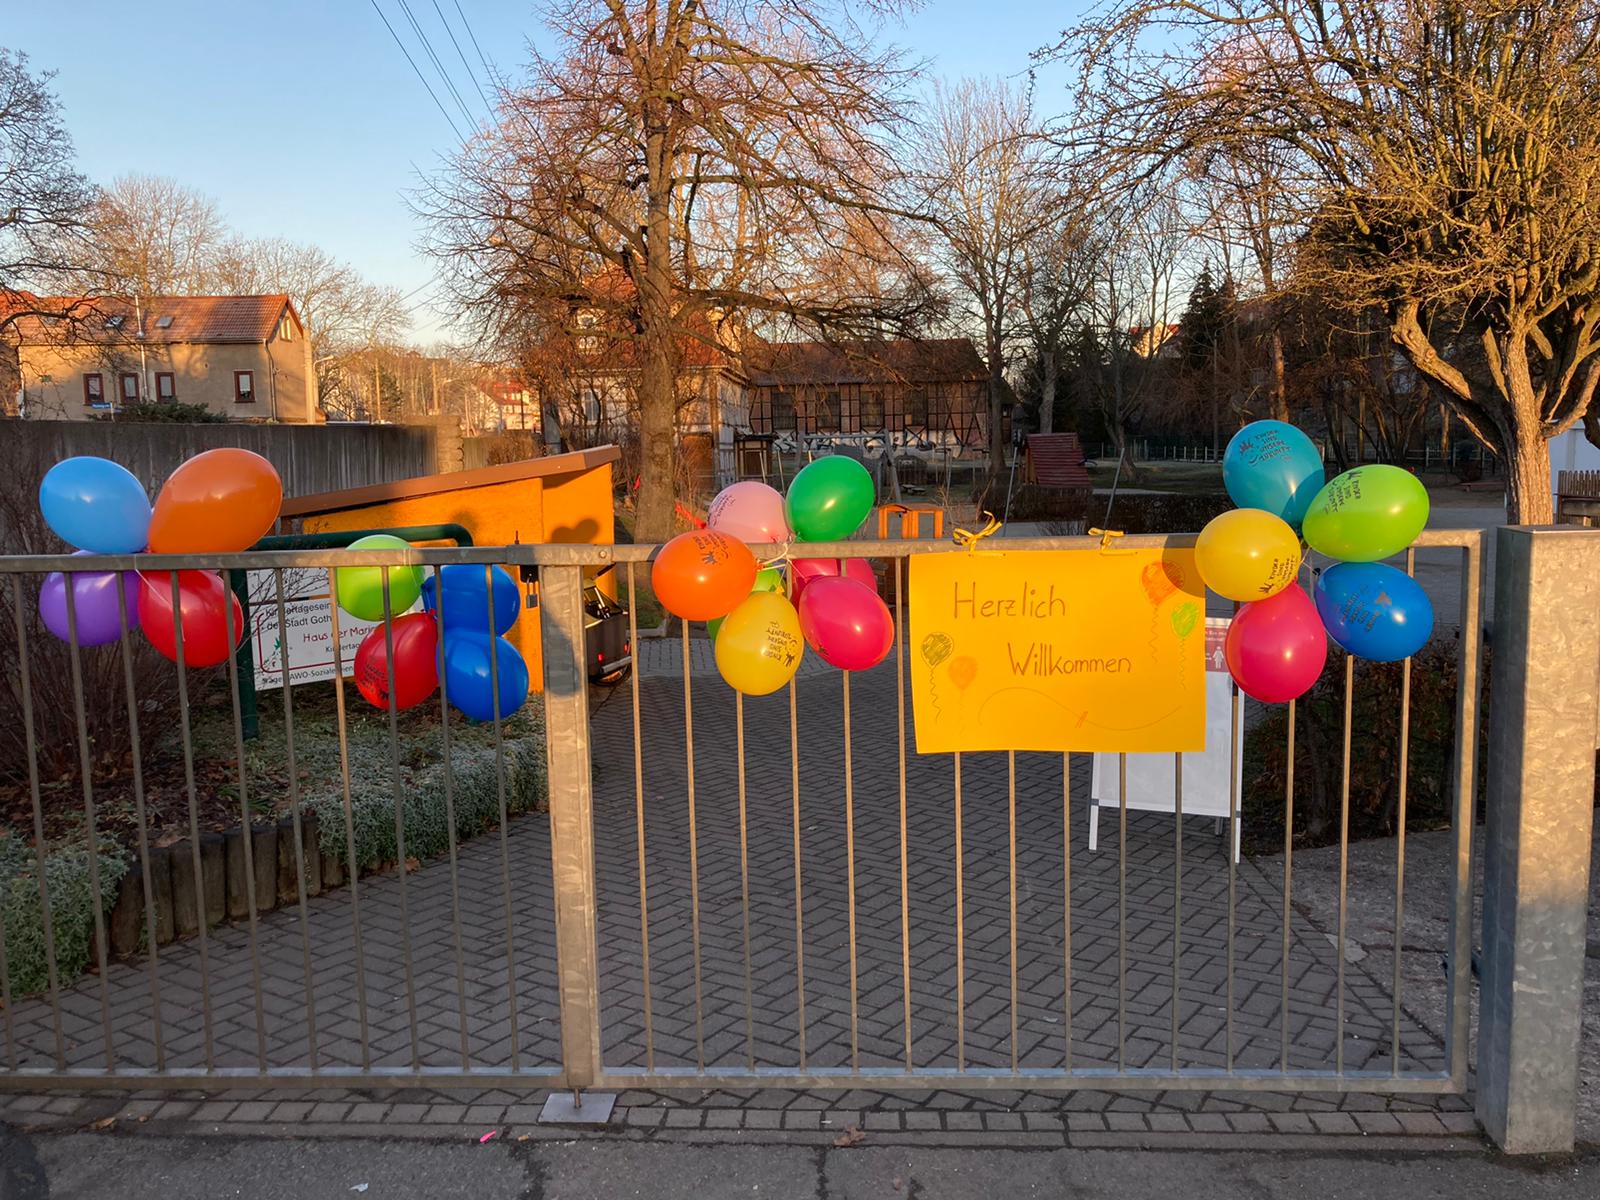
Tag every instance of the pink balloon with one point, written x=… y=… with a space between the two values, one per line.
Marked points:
x=750 y=511
x=803 y=570
x=1277 y=647
x=845 y=622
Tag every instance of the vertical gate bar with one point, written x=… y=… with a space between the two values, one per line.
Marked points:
x=799 y=890
x=5 y=998
x=744 y=885
x=694 y=856
x=1122 y=911
x=1344 y=864
x=1400 y=839
x=352 y=868
x=566 y=689
x=505 y=815
x=1066 y=904
x=450 y=817
x=194 y=815
x=1458 y=1022
x=247 y=825
x=401 y=868
x=25 y=682
x=1011 y=865
x=1288 y=888
x=850 y=879
x=1233 y=840
x=638 y=818
x=295 y=815
x=1177 y=894
x=961 y=934
x=97 y=897
x=136 y=749
x=905 y=870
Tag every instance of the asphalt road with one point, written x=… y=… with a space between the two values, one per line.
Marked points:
x=78 y=1167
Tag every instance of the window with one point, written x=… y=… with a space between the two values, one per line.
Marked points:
x=827 y=413
x=592 y=410
x=782 y=412
x=128 y=387
x=244 y=387
x=286 y=329
x=917 y=410
x=872 y=411
x=166 y=387
x=164 y=322
x=114 y=322
x=94 y=391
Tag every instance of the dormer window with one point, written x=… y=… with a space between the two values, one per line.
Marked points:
x=164 y=322
x=115 y=322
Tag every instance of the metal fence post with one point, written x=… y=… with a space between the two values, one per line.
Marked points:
x=1545 y=693
x=566 y=706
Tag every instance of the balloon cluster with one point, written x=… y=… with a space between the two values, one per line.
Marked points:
x=1277 y=645
x=761 y=617
x=470 y=608
x=218 y=502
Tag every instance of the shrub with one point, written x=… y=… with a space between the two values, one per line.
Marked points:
x=1162 y=512
x=66 y=874
x=166 y=413
x=1374 y=751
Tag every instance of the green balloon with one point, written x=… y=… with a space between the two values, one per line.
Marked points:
x=829 y=499
x=768 y=579
x=359 y=590
x=1367 y=514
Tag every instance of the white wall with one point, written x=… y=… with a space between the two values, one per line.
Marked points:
x=1571 y=451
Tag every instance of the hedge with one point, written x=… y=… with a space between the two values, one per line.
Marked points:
x=66 y=874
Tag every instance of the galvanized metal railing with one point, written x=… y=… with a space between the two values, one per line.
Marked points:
x=464 y=982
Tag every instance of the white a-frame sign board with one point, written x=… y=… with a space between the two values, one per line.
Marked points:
x=1206 y=777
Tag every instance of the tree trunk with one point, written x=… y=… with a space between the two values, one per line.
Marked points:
x=997 y=438
x=1444 y=434
x=1527 y=462
x=1280 y=395
x=658 y=410
x=1047 y=392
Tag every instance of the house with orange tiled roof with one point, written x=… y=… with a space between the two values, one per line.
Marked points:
x=244 y=357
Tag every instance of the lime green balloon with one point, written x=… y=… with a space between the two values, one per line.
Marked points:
x=768 y=579
x=829 y=499
x=359 y=590
x=1366 y=514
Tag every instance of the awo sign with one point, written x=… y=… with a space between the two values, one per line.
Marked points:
x=302 y=648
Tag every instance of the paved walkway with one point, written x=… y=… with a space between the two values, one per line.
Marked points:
x=420 y=1020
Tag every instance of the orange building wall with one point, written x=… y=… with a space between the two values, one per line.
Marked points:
x=567 y=509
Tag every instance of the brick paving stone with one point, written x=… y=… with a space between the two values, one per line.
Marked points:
x=1247 y=1122
x=881 y=1121
x=923 y=1122
x=1291 y=1122
x=723 y=1118
x=1382 y=1123
x=998 y=1122
x=367 y=1114
x=1085 y=1122
x=963 y=1121
x=644 y=1116
x=684 y=1118
x=1341 y=1123
x=1042 y=1122
x=763 y=1118
x=252 y=1110
x=1459 y=1122
x=802 y=1118
x=1421 y=1124
x=1125 y=1122
x=407 y=1114
x=1208 y=1122
x=1168 y=1123
x=328 y=1112
x=487 y=1115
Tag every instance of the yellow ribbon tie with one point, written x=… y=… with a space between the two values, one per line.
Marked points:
x=968 y=539
x=1106 y=536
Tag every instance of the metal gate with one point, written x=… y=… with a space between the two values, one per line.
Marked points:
x=726 y=892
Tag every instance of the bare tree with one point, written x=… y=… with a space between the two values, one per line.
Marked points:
x=985 y=186
x=663 y=177
x=1057 y=272
x=43 y=198
x=1440 y=162
x=151 y=236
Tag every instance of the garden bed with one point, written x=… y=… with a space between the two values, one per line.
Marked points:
x=220 y=890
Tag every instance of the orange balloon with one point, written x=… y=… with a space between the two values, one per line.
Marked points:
x=963 y=671
x=215 y=503
x=702 y=575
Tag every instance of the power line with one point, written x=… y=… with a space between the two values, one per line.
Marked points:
x=488 y=71
x=420 y=76
x=427 y=44
x=464 y=64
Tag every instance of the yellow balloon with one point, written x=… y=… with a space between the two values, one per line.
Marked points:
x=759 y=646
x=1248 y=554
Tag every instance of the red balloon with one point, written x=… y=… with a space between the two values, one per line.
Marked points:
x=804 y=570
x=203 y=603
x=845 y=622
x=1277 y=647
x=416 y=662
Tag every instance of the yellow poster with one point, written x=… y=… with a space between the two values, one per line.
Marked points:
x=1058 y=650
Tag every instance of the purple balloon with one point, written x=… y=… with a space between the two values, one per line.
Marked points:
x=94 y=595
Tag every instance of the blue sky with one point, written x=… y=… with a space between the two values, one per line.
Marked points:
x=302 y=119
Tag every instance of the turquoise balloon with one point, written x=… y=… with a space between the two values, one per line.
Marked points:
x=829 y=499
x=1272 y=466
x=1366 y=514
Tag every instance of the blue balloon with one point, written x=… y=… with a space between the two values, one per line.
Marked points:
x=468 y=679
x=1273 y=466
x=1374 y=611
x=466 y=606
x=96 y=505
